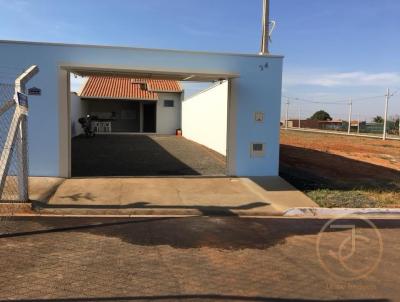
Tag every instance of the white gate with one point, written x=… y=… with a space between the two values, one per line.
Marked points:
x=13 y=139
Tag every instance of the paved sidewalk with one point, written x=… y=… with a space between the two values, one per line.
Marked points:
x=260 y=196
x=184 y=259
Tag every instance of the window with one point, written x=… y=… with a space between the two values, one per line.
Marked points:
x=142 y=84
x=169 y=103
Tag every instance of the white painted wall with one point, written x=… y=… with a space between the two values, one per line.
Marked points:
x=168 y=119
x=258 y=88
x=205 y=117
x=78 y=110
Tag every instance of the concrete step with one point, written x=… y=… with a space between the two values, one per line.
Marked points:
x=151 y=210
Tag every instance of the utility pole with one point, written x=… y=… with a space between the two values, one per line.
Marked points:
x=387 y=96
x=287 y=114
x=350 y=111
x=265 y=28
x=299 y=118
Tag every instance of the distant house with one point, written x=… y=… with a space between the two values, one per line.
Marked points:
x=120 y=104
x=316 y=124
x=332 y=125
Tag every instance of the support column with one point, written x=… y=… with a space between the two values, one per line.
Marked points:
x=64 y=124
x=231 y=151
x=141 y=117
x=22 y=144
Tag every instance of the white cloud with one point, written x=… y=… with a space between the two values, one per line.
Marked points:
x=356 y=78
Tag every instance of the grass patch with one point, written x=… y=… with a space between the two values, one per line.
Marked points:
x=330 y=198
x=333 y=193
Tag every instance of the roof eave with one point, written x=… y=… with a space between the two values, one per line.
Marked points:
x=115 y=99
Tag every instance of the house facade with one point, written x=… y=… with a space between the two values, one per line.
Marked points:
x=128 y=105
x=254 y=89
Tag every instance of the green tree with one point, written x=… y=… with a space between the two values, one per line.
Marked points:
x=378 y=119
x=396 y=121
x=321 y=115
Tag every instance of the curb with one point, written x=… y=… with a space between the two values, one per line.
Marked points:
x=152 y=213
x=39 y=209
x=28 y=209
x=15 y=208
x=334 y=212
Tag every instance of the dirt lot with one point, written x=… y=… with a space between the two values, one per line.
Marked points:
x=342 y=171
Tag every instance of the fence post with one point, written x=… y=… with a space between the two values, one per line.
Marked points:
x=287 y=114
x=350 y=112
x=386 y=113
x=299 y=118
x=22 y=144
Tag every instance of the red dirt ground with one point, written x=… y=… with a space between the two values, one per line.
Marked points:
x=342 y=158
x=374 y=151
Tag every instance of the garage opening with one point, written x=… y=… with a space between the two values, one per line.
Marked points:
x=147 y=125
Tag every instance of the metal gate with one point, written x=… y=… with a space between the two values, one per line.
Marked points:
x=13 y=139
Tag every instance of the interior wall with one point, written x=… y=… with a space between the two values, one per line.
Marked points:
x=78 y=110
x=124 y=115
x=168 y=119
x=205 y=117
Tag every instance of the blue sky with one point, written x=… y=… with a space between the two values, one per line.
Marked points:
x=333 y=50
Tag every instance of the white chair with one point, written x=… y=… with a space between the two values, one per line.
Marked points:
x=107 y=127
x=95 y=126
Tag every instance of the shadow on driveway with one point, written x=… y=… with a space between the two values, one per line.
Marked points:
x=142 y=155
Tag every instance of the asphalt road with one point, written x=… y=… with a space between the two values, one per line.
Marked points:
x=198 y=259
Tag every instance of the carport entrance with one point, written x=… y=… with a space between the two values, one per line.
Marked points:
x=143 y=155
x=147 y=152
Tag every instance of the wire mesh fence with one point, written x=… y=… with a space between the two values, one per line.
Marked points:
x=9 y=185
x=345 y=116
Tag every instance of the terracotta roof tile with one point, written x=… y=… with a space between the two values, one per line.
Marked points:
x=108 y=87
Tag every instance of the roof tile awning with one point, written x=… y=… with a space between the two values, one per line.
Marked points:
x=125 y=88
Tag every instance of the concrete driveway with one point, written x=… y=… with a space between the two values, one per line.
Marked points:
x=257 y=196
x=143 y=155
x=185 y=259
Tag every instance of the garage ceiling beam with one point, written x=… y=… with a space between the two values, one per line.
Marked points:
x=152 y=74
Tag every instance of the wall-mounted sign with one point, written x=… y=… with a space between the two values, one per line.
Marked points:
x=262 y=67
x=259 y=117
x=34 y=91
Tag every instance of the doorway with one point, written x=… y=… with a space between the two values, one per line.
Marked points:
x=149 y=117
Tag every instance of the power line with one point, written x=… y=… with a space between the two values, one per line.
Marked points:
x=314 y=102
x=368 y=97
x=396 y=91
x=336 y=102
